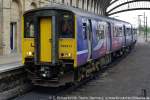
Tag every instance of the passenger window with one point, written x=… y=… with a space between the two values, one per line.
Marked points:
x=118 y=31
x=128 y=31
x=100 y=31
x=115 y=31
x=29 y=29
x=84 y=28
x=97 y=32
x=87 y=29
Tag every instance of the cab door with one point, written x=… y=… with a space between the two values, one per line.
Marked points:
x=46 y=39
x=89 y=39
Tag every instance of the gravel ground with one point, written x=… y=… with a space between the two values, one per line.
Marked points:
x=127 y=78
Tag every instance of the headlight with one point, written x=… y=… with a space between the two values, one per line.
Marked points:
x=66 y=55
x=69 y=54
x=29 y=53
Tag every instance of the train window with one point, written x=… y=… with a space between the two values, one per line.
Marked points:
x=100 y=30
x=67 y=30
x=29 y=30
x=128 y=31
x=97 y=32
x=114 y=31
x=118 y=31
x=84 y=28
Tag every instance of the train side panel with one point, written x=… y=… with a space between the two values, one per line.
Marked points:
x=128 y=35
x=82 y=44
x=100 y=39
x=117 y=36
x=134 y=33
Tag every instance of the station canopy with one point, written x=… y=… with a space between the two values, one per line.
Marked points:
x=118 y=6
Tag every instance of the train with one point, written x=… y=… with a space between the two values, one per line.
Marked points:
x=63 y=45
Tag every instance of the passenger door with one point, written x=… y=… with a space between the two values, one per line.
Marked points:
x=124 y=35
x=109 y=40
x=46 y=39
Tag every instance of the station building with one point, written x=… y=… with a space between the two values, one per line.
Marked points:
x=11 y=12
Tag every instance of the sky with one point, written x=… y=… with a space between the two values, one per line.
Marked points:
x=132 y=16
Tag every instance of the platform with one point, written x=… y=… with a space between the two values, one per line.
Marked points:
x=10 y=62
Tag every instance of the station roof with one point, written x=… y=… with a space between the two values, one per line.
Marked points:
x=118 y=6
x=76 y=11
x=110 y=7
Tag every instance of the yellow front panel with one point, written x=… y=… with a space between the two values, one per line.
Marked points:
x=66 y=48
x=28 y=46
x=45 y=39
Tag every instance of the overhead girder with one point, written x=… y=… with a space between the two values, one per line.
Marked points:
x=96 y=5
x=114 y=1
x=87 y=4
x=102 y=4
x=82 y=4
x=125 y=10
x=128 y=2
x=92 y=3
x=117 y=8
x=107 y=3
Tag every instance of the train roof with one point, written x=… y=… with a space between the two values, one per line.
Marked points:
x=75 y=10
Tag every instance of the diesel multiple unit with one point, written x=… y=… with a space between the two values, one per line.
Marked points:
x=64 y=44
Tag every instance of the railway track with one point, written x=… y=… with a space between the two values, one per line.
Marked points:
x=64 y=90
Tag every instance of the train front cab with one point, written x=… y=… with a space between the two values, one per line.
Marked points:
x=49 y=46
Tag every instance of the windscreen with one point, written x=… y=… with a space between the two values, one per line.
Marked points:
x=66 y=26
x=29 y=28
